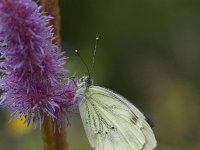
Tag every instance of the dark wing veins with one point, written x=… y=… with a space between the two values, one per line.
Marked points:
x=104 y=121
x=110 y=108
x=96 y=120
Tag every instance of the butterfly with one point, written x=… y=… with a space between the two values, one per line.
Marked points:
x=110 y=121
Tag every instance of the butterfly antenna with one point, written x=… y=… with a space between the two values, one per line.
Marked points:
x=93 y=58
x=77 y=52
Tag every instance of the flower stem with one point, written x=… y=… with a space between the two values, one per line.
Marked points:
x=53 y=140
x=59 y=139
x=47 y=134
x=52 y=9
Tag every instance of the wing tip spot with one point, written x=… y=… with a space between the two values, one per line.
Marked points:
x=134 y=119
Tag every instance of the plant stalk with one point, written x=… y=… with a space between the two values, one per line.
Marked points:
x=51 y=7
x=53 y=140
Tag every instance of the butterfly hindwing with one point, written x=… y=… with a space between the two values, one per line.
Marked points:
x=113 y=123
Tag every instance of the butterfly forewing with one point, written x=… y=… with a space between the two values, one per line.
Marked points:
x=113 y=123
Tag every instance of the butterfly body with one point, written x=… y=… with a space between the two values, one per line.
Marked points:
x=111 y=122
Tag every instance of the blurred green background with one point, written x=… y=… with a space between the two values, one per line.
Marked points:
x=149 y=51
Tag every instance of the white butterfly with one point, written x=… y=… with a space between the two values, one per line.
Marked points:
x=111 y=122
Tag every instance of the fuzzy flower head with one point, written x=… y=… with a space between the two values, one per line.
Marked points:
x=32 y=65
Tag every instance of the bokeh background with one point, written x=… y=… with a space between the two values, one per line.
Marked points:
x=149 y=51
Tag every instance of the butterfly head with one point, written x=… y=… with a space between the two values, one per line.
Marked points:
x=84 y=81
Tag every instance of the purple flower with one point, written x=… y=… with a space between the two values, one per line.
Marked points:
x=32 y=65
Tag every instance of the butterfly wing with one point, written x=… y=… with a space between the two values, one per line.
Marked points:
x=113 y=123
